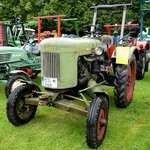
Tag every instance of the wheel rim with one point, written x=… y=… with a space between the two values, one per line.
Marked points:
x=102 y=123
x=23 y=111
x=130 y=81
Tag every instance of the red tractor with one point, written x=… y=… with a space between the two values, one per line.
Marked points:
x=141 y=45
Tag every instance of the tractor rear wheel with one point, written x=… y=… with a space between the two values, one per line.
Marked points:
x=141 y=64
x=19 y=113
x=97 y=120
x=124 y=83
x=12 y=83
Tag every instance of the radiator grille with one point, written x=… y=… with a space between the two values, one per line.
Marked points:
x=5 y=57
x=51 y=65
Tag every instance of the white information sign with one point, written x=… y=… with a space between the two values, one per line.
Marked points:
x=49 y=82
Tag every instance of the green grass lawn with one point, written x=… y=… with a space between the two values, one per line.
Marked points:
x=53 y=129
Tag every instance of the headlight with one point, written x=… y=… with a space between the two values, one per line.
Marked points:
x=99 y=50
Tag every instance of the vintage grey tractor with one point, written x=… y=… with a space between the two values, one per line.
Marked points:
x=74 y=73
x=18 y=63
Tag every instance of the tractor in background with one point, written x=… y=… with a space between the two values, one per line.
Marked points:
x=143 y=44
x=15 y=35
x=74 y=73
x=18 y=63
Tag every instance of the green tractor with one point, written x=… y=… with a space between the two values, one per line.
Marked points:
x=74 y=73
x=15 y=35
x=18 y=63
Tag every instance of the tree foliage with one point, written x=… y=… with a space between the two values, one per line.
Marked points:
x=71 y=8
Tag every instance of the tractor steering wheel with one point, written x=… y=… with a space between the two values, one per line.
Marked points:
x=22 y=39
x=30 y=41
x=98 y=30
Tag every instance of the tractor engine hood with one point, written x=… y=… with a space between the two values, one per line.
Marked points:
x=59 y=60
x=12 y=54
x=82 y=46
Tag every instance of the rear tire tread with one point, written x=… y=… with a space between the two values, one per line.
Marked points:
x=120 y=84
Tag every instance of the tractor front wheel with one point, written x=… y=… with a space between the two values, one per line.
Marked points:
x=19 y=113
x=97 y=120
x=141 y=65
x=12 y=83
x=124 y=83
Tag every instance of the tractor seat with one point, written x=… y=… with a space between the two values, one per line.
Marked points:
x=134 y=32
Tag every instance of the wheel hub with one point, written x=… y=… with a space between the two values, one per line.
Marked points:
x=22 y=109
x=102 y=123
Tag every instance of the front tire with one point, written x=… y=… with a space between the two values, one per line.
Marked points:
x=19 y=113
x=124 y=83
x=97 y=120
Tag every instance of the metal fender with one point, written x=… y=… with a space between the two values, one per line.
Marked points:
x=32 y=84
x=123 y=54
x=96 y=89
x=22 y=73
